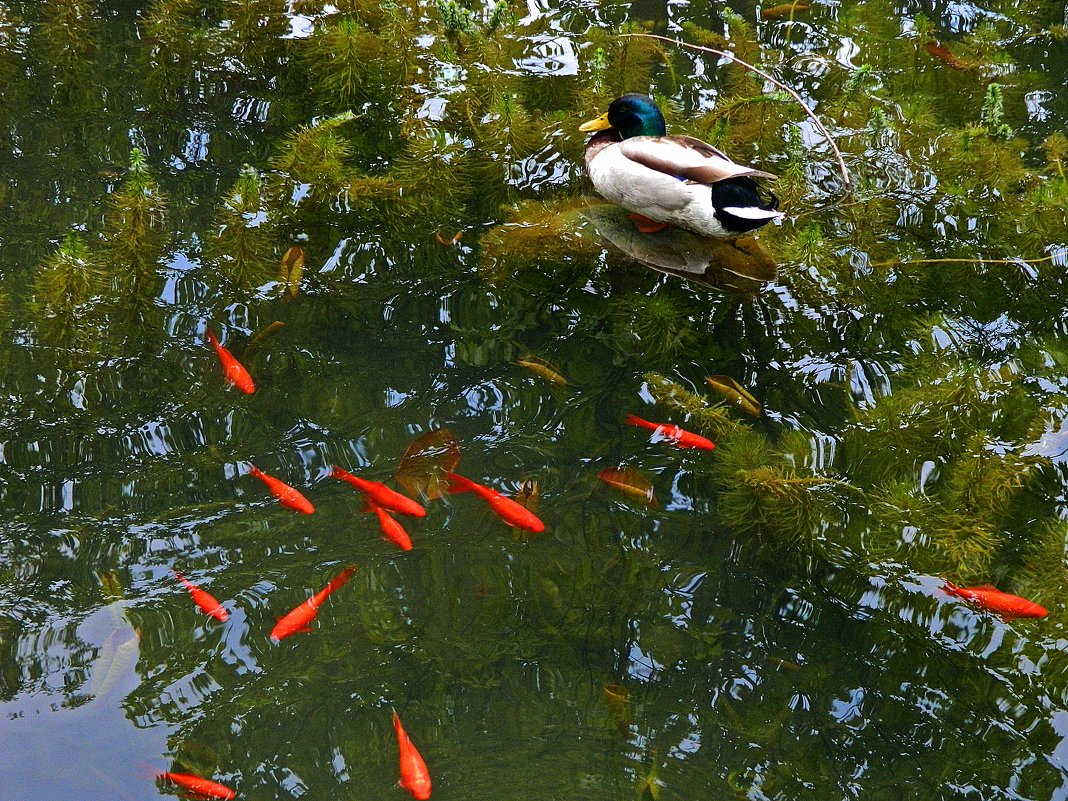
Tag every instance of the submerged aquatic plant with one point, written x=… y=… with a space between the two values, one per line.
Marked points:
x=656 y=323
x=68 y=280
x=631 y=60
x=350 y=64
x=993 y=112
x=244 y=244
x=136 y=229
x=538 y=235
x=66 y=39
x=1043 y=576
x=179 y=51
x=318 y=156
x=1056 y=147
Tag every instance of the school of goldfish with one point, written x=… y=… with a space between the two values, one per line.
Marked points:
x=386 y=502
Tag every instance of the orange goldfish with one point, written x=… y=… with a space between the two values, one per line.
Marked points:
x=299 y=619
x=381 y=494
x=506 y=509
x=391 y=529
x=286 y=495
x=202 y=787
x=414 y=777
x=680 y=437
x=991 y=599
x=234 y=371
x=208 y=605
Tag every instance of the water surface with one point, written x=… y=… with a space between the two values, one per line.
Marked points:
x=773 y=629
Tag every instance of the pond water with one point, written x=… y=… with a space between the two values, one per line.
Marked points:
x=774 y=627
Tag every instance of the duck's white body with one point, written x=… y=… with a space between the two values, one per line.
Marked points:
x=669 y=179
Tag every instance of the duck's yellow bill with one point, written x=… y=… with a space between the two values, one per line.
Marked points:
x=598 y=124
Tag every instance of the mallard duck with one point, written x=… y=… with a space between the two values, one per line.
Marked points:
x=671 y=180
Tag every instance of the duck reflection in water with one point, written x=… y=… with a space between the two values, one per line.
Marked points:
x=740 y=265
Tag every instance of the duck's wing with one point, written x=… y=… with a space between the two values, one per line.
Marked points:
x=686 y=157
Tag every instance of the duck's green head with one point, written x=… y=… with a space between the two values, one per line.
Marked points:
x=631 y=115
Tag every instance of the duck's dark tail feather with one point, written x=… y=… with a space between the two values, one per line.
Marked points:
x=740 y=207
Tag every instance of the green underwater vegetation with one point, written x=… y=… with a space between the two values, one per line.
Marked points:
x=773 y=629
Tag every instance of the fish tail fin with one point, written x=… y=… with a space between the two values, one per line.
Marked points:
x=458 y=483
x=254 y=471
x=182 y=579
x=633 y=420
x=950 y=587
x=208 y=335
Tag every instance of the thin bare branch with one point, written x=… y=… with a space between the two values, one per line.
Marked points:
x=976 y=260
x=847 y=183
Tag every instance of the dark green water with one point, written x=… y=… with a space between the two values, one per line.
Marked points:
x=775 y=626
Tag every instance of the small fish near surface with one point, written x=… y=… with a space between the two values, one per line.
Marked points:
x=205 y=788
x=735 y=393
x=678 y=436
x=943 y=54
x=512 y=513
x=207 y=603
x=286 y=495
x=783 y=10
x=380 y=494
x=414 y=776
x=631 y=483
x=116 y=661
x=448 y=243
x=391 y=530
x=542 y=368
x=299 y=620
x=991 y=599
x=234 y=371
x=290 y=270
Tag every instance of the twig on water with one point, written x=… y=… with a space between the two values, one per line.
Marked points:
x=847 y=183
x=979 y=259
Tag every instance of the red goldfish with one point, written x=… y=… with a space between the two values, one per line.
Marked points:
x=202 y=787
x=208 y=605
x=391 y=529
x=506 y=509
x=300 y=618
x=286 y=495
x=680 y=437
x=381 y=494
x=414 y=777
x=234 y=371
x=994 y=600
